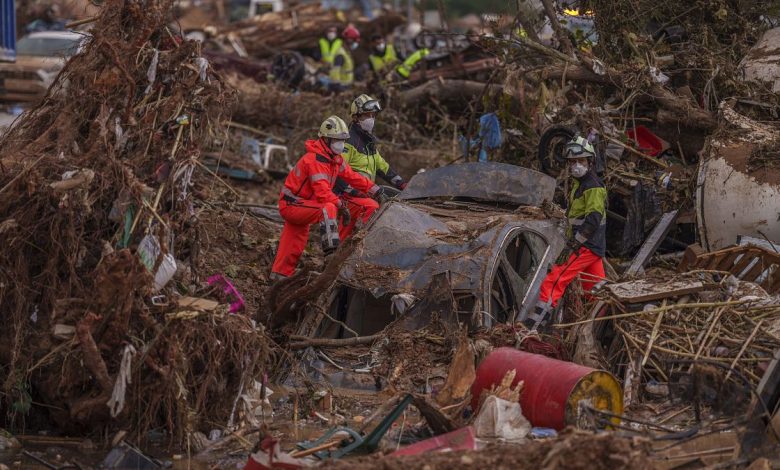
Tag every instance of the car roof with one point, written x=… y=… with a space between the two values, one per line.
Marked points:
x=57 y=35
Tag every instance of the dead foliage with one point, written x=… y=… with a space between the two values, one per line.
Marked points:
x=132 y=111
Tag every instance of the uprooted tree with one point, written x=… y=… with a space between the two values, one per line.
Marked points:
x=104 y=162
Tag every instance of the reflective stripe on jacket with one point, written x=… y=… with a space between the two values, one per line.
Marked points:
x=343 y=68
x=587 y=213
x=385 y=62
x=328 y=49
x=405 y=69
x=315 y=174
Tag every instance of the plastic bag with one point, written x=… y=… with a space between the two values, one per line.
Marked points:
x=501 y=419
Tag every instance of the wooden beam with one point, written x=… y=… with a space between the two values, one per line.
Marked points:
x=652 y=243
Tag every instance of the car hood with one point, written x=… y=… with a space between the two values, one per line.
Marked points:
x=409 y=243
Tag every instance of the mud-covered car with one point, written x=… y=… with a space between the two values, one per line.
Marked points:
x=480 y=224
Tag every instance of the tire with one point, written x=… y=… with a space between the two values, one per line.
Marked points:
x=288 y=67
x=551 y=147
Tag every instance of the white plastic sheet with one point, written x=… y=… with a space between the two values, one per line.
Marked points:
x=501 y=419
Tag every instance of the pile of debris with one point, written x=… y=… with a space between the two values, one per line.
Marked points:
x=98 y=210
x=298 y=27
x=136 y=280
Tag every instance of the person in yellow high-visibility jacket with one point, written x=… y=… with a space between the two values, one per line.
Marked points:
x=383 y=58
x=329 y=45
x=341 y=75
x=361 y=152
x=386 y=64
x=406 y=67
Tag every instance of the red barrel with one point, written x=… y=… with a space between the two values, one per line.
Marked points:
x=553 y=388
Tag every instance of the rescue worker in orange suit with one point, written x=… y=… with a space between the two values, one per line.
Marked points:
x=587 y=219
x=307 y=197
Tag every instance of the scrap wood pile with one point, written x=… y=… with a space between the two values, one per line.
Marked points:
x=97 y=207
x=299 y=27
x=664 y=326
x=698 y=45
x=658 y=66
x=292 y=118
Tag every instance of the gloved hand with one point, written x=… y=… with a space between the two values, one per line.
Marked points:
x=380 y=195
x=573 y=245
x=398 y=182
x=343 y=214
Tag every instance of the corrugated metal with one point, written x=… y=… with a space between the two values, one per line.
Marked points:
x=7 y=30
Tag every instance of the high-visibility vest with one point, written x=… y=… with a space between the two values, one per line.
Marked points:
x=343 y=74
x=328 y=49
x=386 y=61
x=405 y=69
x=588 y=207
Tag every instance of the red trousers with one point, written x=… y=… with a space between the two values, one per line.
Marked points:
x=360 y=208
x=561 y=275
x=297 y=219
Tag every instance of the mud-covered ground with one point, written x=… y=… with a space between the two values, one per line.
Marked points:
x=572 y=451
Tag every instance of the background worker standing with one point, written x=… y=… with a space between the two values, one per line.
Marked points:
x=307 y=197
x=587 y=219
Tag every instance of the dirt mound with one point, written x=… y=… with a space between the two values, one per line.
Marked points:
x=240 y=246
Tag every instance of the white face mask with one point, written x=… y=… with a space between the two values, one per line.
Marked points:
x=578 y=170
x=353 y=46
x=367 y=124
x=337 y=146
x=331 y=36
x=380 y=47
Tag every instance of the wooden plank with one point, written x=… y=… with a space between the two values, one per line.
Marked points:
x=652 y=243
x=728 y=262
x=742 y=264
x=198 y=303
x=641 y=291
x=691 y=257
x=714 y=260
x=756 y=270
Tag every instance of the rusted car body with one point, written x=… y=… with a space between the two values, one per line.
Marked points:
x=480 y=223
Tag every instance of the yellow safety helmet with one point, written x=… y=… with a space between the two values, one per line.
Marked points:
x=579 y=147
x=364 y=104
x=334 y=128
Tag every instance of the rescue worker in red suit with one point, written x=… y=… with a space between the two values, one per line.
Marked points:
x=587 y=219
x=307 y=197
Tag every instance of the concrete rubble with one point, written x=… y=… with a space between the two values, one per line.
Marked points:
x=139 y=181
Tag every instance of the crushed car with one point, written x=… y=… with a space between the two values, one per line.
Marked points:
x=481 y=224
